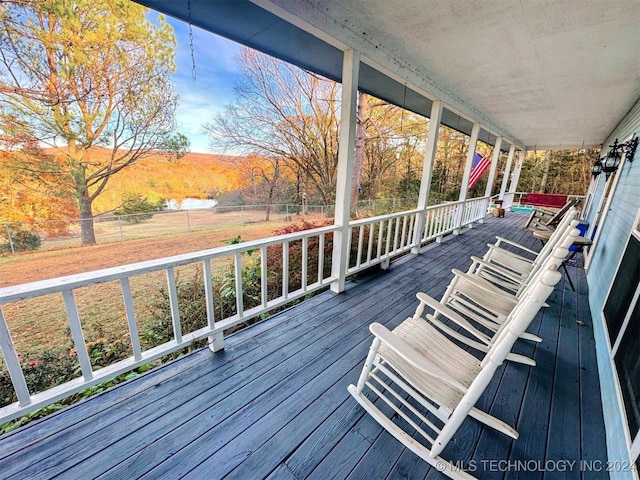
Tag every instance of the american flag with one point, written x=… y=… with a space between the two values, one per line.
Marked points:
x=479 y=165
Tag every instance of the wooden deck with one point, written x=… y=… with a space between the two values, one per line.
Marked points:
x=275 y=405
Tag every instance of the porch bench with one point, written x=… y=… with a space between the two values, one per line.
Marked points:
x=545 y=200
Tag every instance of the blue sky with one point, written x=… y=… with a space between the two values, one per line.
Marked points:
x=201 y=99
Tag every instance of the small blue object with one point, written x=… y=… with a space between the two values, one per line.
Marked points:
x=582 y=226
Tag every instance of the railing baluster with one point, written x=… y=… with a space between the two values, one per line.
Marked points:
x=380 y=239
x=77 y=335
x=216 y=341
x=320 y=257
x=208 y=293
x=285 y=270
x=413 y=220
x=403 y=237
x=13 y=364
x=370 y=246
x=131 y=318
x=360 y=243
x=349 y=240
x=237 y=260
x=388 y=245
x=264 y=272
x=174 y=304
x=428 y=225
x=305 y=260
x=396 y=234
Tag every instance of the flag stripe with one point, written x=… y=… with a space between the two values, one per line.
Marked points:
x=480 y=165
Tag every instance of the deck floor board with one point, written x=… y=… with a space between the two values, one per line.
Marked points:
x=274 y=403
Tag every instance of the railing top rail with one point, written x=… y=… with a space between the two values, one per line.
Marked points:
x=457 y=202
x=54 y=285
x=59 y=284
x=363 y=221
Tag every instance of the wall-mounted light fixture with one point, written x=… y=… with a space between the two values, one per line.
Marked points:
x=628 y=148
x=596 y=168
x=611 y=162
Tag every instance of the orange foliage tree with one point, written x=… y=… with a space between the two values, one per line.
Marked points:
x=40 y=204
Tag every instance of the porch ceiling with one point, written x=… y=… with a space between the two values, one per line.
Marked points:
x=547 y=74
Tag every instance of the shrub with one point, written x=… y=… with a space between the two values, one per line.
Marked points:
x=138 y=208
x=193 y=313
x=41 y=372
x=21 y=241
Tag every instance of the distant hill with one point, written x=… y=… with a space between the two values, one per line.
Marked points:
x=196 y=175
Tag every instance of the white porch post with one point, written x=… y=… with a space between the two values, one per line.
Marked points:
x=494 y=167
x=473 y=141
x=350 y=71
x=515 y=178
x=492 y=173
x=427 y=171
x=507 y=171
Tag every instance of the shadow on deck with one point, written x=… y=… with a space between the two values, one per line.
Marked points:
x=274 y=404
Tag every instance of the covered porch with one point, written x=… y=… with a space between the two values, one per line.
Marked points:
x=274 y=402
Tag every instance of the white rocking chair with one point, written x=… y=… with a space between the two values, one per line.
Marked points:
x=424 y=378
x=511 y=271
x=488 y=307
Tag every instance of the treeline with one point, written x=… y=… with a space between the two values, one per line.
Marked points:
x=287 y=120
x=36 y=202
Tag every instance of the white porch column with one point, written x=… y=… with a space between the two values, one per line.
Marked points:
x=350 y=71
x=464 y=188
x=427 y=171
x=515 y=178
x=494 y=167
x=507 y=171
x=492 y=173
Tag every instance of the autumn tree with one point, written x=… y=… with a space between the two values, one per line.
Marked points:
x=79 y=74
x=261 y=176
x=41 y=205
x=557 y=171
x=281 y=111
x=390 y=144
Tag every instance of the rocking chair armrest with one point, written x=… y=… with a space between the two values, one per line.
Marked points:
x=453 y=316
x=545 y=211
x=515 y=244
x=413 y=356
x=493 y=246
x=498 y=269
x=484 y=284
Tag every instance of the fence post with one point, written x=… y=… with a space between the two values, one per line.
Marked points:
x=13 y=251
x=120 y=225
x=188 y=221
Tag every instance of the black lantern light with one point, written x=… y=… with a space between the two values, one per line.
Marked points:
x=611 y=162
x=596 y=168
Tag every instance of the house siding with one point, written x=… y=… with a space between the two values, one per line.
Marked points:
x=616 y=229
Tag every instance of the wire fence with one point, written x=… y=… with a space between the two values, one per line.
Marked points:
x=51 y=234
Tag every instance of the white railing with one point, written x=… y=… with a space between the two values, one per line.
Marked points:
x=474 y=210
x=372 y=241
x=379 y=239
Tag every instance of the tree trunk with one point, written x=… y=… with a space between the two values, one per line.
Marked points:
x=545 y=172
x=272 y=187
x=87 y=234
x=363 y=108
